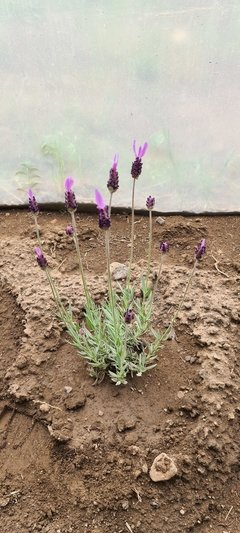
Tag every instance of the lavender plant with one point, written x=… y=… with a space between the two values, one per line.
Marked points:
x=115 y=337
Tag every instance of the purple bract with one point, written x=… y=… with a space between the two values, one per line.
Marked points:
x=150 y=202
x=41 y=259
x=200 y=249
x=33 y=206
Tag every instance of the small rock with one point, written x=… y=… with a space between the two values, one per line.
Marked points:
x=163 y=468
x=126 y=423
x=125 y=505
x=100 y=413
x=180 y=394
x=68 y=389
x=182 y=512
x=4 y=502
x=160 y=221
x=118 y=271
x=44 y=407
x=75 y=401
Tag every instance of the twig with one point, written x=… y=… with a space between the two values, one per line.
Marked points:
x=48 y=404
x=218 y=269
x=58 y=268
x=129 y=527
x=230 y=510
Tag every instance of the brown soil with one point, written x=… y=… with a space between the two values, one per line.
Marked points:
x=74 y=456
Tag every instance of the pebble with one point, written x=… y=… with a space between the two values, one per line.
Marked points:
x=68 y=389
x=44 y=407
x=163 y=468
x=126 y=423
x=118 y=271
x=160 y=220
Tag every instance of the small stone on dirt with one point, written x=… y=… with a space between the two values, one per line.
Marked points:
x=163 y=468
x=126 y=423
x=68 y=389
x=75 y=401
x=118 y=271
x=4 y=502
x=44 y=407
x=160 y=221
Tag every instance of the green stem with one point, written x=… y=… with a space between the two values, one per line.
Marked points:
x=132 y=234
x=55 y=293
x=149 y=244
x=110 y=290
x=75 y=238
x=110 y=205
x=37 y=230
x=158 y=276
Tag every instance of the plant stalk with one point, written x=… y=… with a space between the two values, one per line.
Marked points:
x=149 y=244
x=75 y=238
x=110 y=290
x=132 y=234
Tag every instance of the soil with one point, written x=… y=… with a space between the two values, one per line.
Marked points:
x=75 y=457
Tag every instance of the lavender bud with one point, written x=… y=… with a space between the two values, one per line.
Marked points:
x=113 y=182
x=200 y=249
x=70 y=201
x=164 y=247
x=150 y=202
x=136 y=168
x=32 y=202
x=129 y=316
x=41 y=259
x=69 y=230
x=103 y=218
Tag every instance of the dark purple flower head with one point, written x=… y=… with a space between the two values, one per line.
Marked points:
x=113 y=182
x=69 y=230
x=70 y=199
x=137 y=164
x=33 y=206
x=200 y=249
x=41 y=259
x=104 y=219
x=150 y=202
x=164 y=247
x=129 y=316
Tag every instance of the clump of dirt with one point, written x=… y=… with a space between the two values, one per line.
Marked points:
x=77 y=457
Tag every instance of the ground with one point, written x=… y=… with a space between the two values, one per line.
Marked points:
x=75 y=456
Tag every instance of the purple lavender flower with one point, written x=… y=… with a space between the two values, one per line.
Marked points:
x=129 y=316
x=150 y=202
x=33 y=206
x=41 y=259
x=200 y=249
x=137 y=164
x=104 y=219
x=113 y=182
x=164 y=247
x=70 y=199
x=69 y=230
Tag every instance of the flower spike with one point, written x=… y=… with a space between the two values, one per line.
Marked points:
x=137 y=164
x=41 y=259
x=113 y=182
x=70 y=199
x=32 y=202
x=200 y=249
